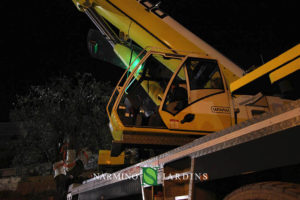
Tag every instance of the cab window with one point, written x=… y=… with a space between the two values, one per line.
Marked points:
x=177 y=97
x=198 y=78
x=203 y=74
x=204 y=78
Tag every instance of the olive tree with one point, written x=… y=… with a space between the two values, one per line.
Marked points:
x=64 y=108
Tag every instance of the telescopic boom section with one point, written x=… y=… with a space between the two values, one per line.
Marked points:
x=147 y=25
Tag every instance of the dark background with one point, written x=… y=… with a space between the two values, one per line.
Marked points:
x=43 y=39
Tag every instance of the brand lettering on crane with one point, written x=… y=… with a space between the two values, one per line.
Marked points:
x=220 y=109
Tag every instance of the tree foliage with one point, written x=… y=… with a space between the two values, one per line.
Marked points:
x=66 y=107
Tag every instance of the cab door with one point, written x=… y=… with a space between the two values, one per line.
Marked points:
x=196 y=98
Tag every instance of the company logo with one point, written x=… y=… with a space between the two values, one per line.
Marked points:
x=220 y=109
x=149 y=176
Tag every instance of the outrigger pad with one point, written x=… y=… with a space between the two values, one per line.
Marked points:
x=116 y=148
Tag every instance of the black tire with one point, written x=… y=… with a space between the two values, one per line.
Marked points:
x=266 y=191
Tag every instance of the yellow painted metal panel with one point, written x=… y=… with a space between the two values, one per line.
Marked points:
x=285 y=71
x=206 y=117
x=116 y=126
x=266 y=68
x=154 y=24
x=115 y=17
x=104 y=158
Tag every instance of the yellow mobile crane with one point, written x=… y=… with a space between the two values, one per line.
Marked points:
x=179 y=88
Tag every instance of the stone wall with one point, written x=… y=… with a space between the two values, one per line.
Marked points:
x=9 y=183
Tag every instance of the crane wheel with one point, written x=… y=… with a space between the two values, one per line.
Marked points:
x=274 y=190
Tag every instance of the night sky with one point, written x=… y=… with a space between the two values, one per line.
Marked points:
x=43 y=39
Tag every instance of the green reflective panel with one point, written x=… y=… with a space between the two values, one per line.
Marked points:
x=137 y=73
x=134 y=64
x=96 y=48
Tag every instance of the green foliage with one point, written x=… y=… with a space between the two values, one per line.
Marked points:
x=66 y=107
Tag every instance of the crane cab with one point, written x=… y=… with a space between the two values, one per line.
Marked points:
x=168 y=98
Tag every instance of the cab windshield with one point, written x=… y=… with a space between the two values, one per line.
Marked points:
x=143 y=93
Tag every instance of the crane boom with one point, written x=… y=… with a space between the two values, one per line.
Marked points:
x=147 y=25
